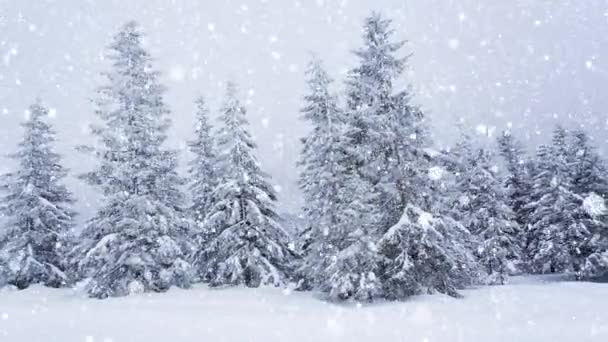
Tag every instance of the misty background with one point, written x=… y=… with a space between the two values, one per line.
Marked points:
x=490 y=64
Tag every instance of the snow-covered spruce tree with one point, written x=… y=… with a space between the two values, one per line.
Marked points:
x=202 y=182
x=372 y=199
x=458 y=161
x=137 y=241
x=248 y=245
x=429 y=249
x=595 y=266
x=558 y=227
x=588 y=171
x=353 y=269
x=321 y=176
x=372 y=104
x=387 y=152
x=425 y=253
x=339 y=259
x=484 y=211
x=386 y=131
x=202 y=173
x=517 y=181
x=36 y=206
x=589 y=182
x=444 y=173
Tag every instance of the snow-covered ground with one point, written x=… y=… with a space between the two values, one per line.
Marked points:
x=528 y=310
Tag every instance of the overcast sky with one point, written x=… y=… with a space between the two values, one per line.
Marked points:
x=491 y=63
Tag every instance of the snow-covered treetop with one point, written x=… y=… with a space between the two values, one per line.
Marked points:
x=320 y=103
x=373 y=79
x=135 y=122
x=40 y=170
x=235 y=142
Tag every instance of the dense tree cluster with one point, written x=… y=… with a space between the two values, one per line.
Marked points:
x=386 y=215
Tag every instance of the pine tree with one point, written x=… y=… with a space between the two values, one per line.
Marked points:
x=378 y=120
x=137 y=241
x=202 y=167
x=386 y=131
x=591 y=185
x=458 y=161
x=202 y=182
x=379 y=123
x=352 y=270
x=424 y=253
x=429 y=249
x=248 y=246
x=587 y=169
x=384 y=158
x=37 y=210
x=517 y=181
x=595 y=266
x=558 y=227
x=388 y=157
x=486 y=214
x=322 y=176
x=340 y=259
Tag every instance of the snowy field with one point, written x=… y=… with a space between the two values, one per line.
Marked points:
x=527 y=310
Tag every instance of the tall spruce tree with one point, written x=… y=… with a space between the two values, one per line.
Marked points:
x=203 y=176
x=248 y=246
x=588 y=170
x=518 y=176
x=459 y=161
x=340 y=259
x=137 y=240
x=202 y=173
x=352 y=270
x=321 y=177
x=595 y=266
x=558 y=227
x=34 y=237
x=484 y=211
x=590 y=183
x=386 y=131
x=387 y=153
x=381 y=134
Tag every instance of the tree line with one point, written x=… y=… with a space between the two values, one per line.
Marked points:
x=387 y=216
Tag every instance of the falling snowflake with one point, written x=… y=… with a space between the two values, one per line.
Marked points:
x=424 y=220
x=481 y=129
x=265 y=122
x=436 y=173
x=594 y=205
x=177 y=73
x=454 y=43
